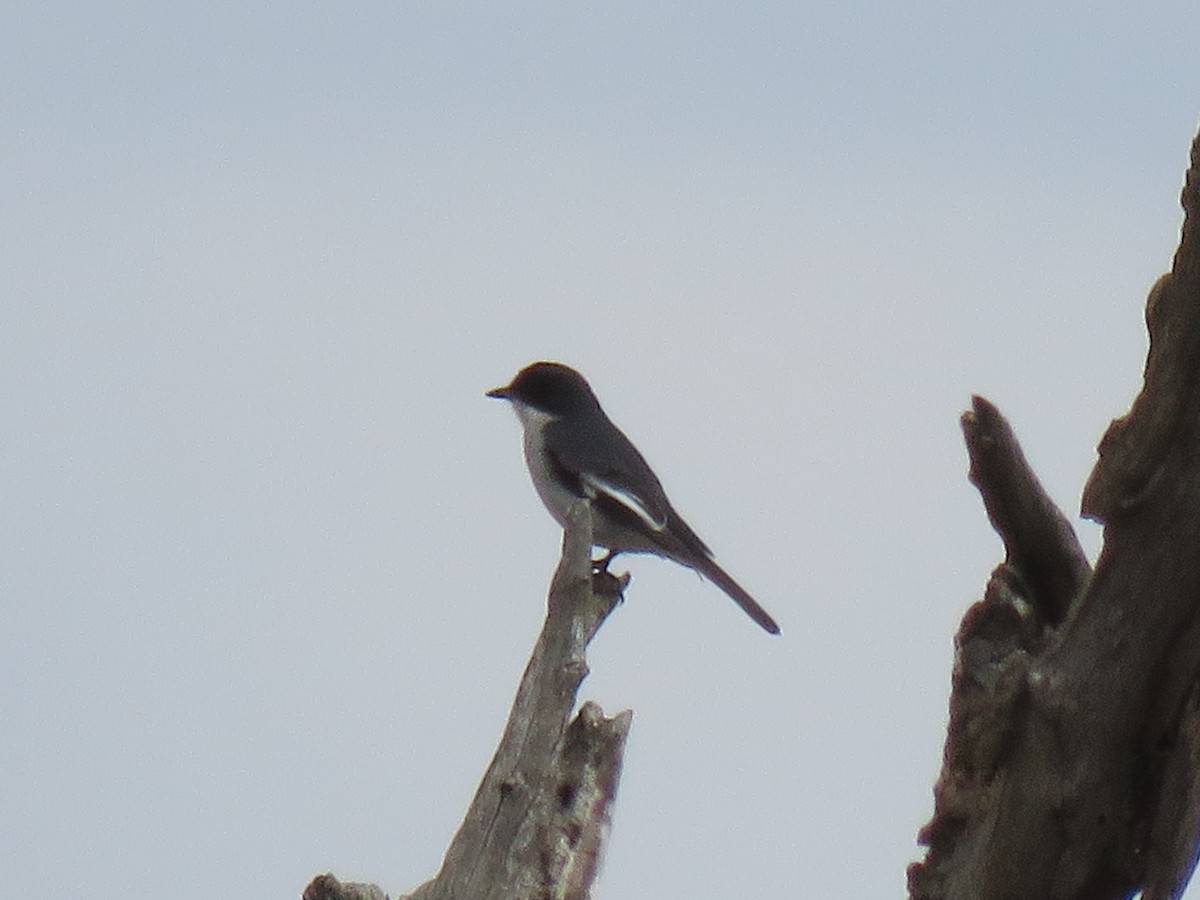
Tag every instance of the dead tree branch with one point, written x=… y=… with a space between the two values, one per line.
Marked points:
x=1072 y=765
x=536 y=825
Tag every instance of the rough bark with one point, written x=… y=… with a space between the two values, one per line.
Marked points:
x=536 y=825
x=1072 y=762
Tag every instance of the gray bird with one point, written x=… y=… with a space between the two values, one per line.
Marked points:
x=574 y=451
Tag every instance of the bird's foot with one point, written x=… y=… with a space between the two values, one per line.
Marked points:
x=601 y=565
x=604 y=582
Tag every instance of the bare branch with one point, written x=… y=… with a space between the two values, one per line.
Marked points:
x=1043 y=549
x=1071 y=768
x=538 y=820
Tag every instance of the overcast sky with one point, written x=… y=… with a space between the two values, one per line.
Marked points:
x=270 y=564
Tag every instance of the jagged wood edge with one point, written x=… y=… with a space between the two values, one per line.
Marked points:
x=1089 y=779
x=539 y=817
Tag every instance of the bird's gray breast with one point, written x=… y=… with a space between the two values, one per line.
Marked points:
x=557 y=499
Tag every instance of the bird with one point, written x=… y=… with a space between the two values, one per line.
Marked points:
x=574 y=451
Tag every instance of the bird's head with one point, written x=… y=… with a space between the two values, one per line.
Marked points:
x=549 y=388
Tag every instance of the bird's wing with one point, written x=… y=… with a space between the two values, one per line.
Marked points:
x=617 y=473
x=610 y=467
x=653 y=518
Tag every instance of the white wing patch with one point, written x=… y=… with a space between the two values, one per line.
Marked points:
x=632 y=502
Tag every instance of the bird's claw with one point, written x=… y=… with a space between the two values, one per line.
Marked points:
x=600 y=566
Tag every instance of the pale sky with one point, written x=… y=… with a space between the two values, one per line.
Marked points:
x=271 y=565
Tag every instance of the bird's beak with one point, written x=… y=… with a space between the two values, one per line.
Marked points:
x=500 y=393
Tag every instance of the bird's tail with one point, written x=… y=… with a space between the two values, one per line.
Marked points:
x=718 y=576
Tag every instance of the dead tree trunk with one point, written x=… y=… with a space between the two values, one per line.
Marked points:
x=1072 y=763
x=537 y=823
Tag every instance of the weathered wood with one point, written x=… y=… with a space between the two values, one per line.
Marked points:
x=326 y=887
x=537 y=823
x=1040 y=543
x=1080 y=779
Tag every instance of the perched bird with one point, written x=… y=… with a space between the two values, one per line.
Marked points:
x=574 y=451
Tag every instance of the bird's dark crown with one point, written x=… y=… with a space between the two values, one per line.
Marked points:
x=551 y=387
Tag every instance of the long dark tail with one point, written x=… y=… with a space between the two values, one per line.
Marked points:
x=718 y=576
